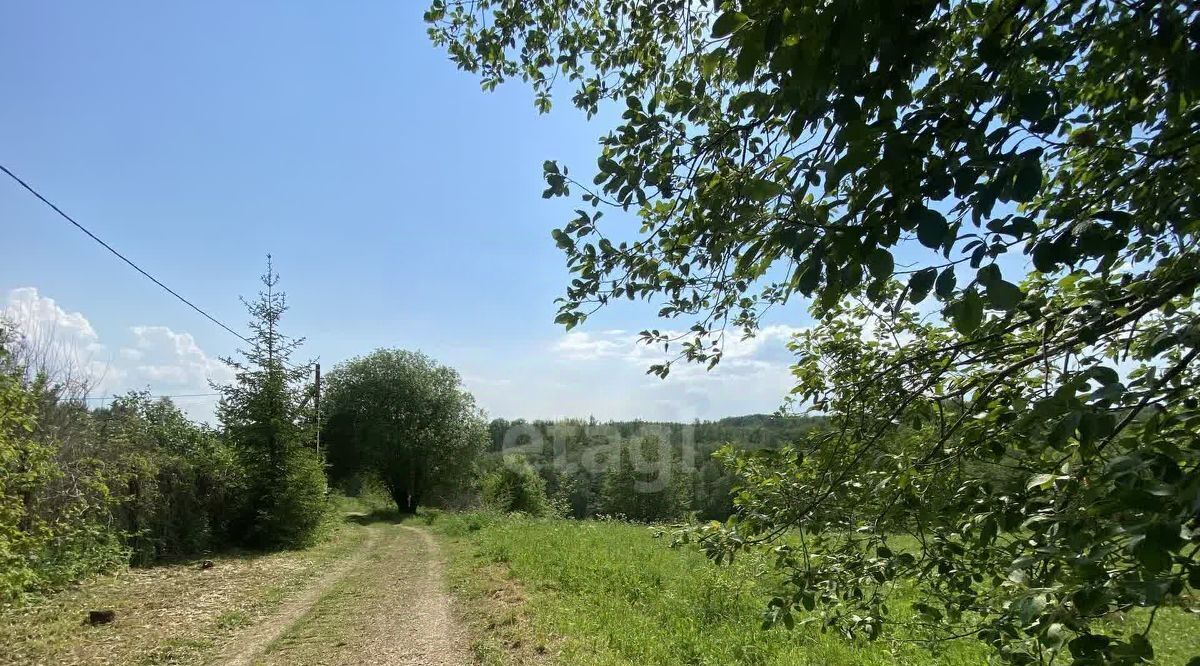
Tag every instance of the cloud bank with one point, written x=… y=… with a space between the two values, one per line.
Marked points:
x=146 y=357
x=603 y=374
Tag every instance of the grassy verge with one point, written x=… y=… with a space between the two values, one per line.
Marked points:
x=609 y=593
x=493 y=605
x=174 y=614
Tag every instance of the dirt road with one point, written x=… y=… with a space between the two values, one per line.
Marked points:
x=385 y=604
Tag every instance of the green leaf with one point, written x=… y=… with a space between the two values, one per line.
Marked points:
x=920 y=283
x=1164 y=534
x=762 y=189
x=880 y=263
x=1063 y=429
x=773 y=34
x=1028 y=180
x=1153 y=557
x=1042 y=481
x=945 y=283
x=1032 y=105
x=1088 y=645
x=1109 y=392
x=748 y=58
x=727 y=23
x=1030 y=607
x=810 y=276
x=1089 y=599
x=988 y=274
x=967 y=312
x=1056 y=635
x=1004 y=295
x=932 y=228
x=1048 y=256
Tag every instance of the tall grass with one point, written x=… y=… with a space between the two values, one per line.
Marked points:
x=609 y=593
x=615 y=595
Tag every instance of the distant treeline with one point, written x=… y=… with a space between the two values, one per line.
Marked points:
x=639 y=470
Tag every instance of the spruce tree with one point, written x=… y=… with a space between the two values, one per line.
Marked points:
x=262 y=414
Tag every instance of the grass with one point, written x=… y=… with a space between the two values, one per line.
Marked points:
x=173 y=614
x=493 y=605
x=604 y=593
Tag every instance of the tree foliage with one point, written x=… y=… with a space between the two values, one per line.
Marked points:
x=992 y=208
x=174 y=484
x=86 y=490
x=264 y=414
x=644 y=471
x=404 y=418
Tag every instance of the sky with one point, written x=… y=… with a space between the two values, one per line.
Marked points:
x=402 y=207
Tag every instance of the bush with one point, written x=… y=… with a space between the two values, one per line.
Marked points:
x=173 y=482
x=295 y=508
x=461 y=524
x=515 y=487
x=54 y=526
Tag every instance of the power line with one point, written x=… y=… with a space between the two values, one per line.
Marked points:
x=121 y=256
x=125 y=259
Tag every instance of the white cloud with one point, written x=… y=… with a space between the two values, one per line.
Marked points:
x=768 y=344
x=38 y=315
x=154 y=358
x=603 y=374
x=599 y=373
x=61 y=343
x=583 y=346
x=166 y=357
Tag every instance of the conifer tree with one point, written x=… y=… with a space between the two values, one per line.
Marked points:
x=262 y=414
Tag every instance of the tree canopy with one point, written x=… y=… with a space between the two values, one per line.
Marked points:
x=991 y=209
x=405 y=419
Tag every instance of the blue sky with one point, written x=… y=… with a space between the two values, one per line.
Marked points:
x=402 y=205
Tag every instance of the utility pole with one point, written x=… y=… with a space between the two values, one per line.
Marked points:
x=317 y=407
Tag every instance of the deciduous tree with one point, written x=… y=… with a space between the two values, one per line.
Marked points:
x=992 y=208
x=403 y=417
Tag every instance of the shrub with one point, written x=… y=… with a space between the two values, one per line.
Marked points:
x=427 y=515
x=515 y=487
x=172 y=482
x=295 y=508
x=53 y=527
x=461 y=524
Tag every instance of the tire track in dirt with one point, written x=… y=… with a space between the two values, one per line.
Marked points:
x=388 y=605
x=428 y=634
x=250 y=645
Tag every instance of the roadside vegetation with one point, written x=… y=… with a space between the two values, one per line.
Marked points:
x=990 y=452
x=87 y=489
x=609 y=592
x=402 y=420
